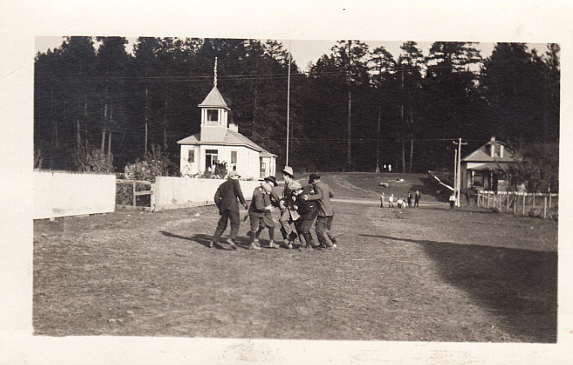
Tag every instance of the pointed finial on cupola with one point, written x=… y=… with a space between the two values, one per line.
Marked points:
x=215 y=79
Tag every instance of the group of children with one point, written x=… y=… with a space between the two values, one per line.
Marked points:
x=401 y=203
x=300 y=206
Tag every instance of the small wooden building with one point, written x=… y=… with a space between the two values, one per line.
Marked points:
x=486 y=167
x=220 y=140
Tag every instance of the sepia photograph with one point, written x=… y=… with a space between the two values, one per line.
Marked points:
x=408 y=196
x=273 y=196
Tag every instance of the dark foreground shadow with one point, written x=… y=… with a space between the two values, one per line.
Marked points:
x=520 y=286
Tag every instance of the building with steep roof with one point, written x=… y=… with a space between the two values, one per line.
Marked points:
x=221 y=141
x=486 y=167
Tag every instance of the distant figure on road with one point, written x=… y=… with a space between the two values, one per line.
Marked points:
x=409 y=200
x=226 y=200
x=325 y=212
x=417 y=199
x=452 y=200
x=401 y=203
x=382 y=200
x=391 y=201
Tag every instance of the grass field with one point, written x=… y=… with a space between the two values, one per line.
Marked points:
x=427 y=274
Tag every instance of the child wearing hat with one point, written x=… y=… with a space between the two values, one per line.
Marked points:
x=260 y=216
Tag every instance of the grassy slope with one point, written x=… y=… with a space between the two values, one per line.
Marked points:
x=366 y=185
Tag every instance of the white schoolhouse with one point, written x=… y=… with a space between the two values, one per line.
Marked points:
x=221 y=141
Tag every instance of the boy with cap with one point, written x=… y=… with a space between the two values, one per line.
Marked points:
x=260 y=215
x=226 y=200
x=308 y=210
x=323 y=193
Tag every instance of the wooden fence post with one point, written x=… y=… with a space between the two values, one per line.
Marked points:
x=545 y=206
x=533 y=205
x=523 y=206
x=134 y=196
x=507 y=202
x=514 y=204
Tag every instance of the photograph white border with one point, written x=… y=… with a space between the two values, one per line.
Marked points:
x=23 y=21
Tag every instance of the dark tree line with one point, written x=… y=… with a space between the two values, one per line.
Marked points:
x=356 y=108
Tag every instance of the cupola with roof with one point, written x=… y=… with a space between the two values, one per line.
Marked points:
x=220 y=140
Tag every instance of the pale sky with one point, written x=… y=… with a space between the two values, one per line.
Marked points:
x=303 y=51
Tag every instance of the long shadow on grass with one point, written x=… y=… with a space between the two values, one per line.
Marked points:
x=201 y=239
x=205 y=240
x=520 y=286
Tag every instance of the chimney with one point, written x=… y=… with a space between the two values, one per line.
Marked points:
x=234 y=127
x=492 y=147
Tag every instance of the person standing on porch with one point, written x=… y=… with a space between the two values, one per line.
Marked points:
x=226 y=200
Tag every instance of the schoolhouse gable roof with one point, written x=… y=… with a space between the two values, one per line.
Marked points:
x=230 y=138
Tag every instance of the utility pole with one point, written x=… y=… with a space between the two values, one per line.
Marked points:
x=349 y=150
x=288 y=105
x=349 y=80
x=459 y=170
x=455 y=171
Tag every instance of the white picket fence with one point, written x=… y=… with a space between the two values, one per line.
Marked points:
x=177 y=192
x=537 y=204
x=60 y=194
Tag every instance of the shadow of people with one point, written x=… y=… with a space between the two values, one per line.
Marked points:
x=516 y=284
x=200 y=238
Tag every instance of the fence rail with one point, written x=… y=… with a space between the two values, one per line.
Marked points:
x=133 y=184
x=533 y=204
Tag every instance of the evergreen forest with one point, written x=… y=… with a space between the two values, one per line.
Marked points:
x=354 y=109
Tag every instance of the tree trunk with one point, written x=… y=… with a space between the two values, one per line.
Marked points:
x=411 y=154
x=109 y=144
x=54 y=122
x=104 y=125
x=378 y=140
x=403 y=158
x=165 y=121
x=78 y=138
x=146 y=117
